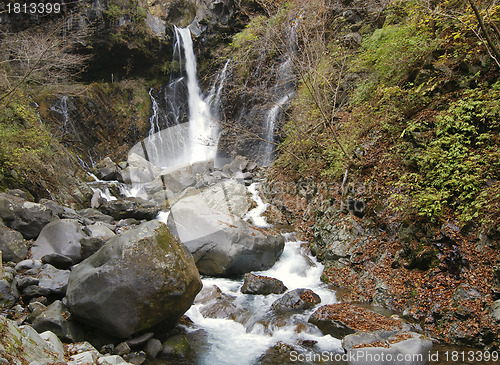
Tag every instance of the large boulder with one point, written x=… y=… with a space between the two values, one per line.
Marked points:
x=24 y=216
x=136 y=280
x=296 y=300
x=136 y=208
x=263 y=285
x=210 y=225
x=12 y=245
x=62 y=237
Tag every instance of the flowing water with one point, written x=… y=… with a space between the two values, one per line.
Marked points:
x=245 y=340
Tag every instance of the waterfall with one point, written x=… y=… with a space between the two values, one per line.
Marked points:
x=203 y=130
x=183 y=125
x=284 y=89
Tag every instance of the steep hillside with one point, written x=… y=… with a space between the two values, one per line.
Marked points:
x=389 y=159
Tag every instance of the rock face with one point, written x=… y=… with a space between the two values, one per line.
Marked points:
x=62 y=237
x=210 y=225
x=264 y=285
x=137 y=280
x=12 y=245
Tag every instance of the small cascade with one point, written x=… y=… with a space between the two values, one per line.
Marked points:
x=284 y=89
x=252 y=336
x=255 y=215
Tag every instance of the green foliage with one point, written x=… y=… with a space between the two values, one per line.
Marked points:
x=455 y=165
x=389 y=55
x=24 y=141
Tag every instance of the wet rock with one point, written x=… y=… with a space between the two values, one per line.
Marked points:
x=57 y=318
x=136 y=208
x=296 y=300
x=223 y=244
x=62 y=237
x=25 y=217
x=12 y=244
x=362 y=348
x=264 y=285
x=176 y=346
x=143 y=277
x=24 y=346
x=342 y=319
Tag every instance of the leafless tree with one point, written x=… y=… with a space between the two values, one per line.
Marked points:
x=40 y=57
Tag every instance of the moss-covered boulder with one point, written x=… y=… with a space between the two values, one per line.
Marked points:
x=140 y=278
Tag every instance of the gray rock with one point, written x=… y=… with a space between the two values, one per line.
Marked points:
x=28 y=264
x=36 y=308
x=25 y=217
x=99 y=231
x=62 y=237
x=12 y=245
x=141 y=340
x=57 y=260
x=136 y=208
x=34 y=291
x=106 y=170
x=137 y=280
x=209 y=224
x=95 y=215
x=139 y=170
x=57 y=318
x=153 y=348
x=54 y=341
x=8 y=291
x=264 y=285
x=114 y=360
x=23 y=282
x=412 y=348
x=26 y=344
x=90 y=245
x=121 y=349
x=55 y=280
x=296 y=300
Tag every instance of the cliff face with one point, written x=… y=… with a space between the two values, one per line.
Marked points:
x=96 y=61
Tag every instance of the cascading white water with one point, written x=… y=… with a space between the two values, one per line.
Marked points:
x=232 y=342
x=203 y=130
x=172 y=142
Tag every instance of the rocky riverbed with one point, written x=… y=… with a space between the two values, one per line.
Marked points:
x=112 y=284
